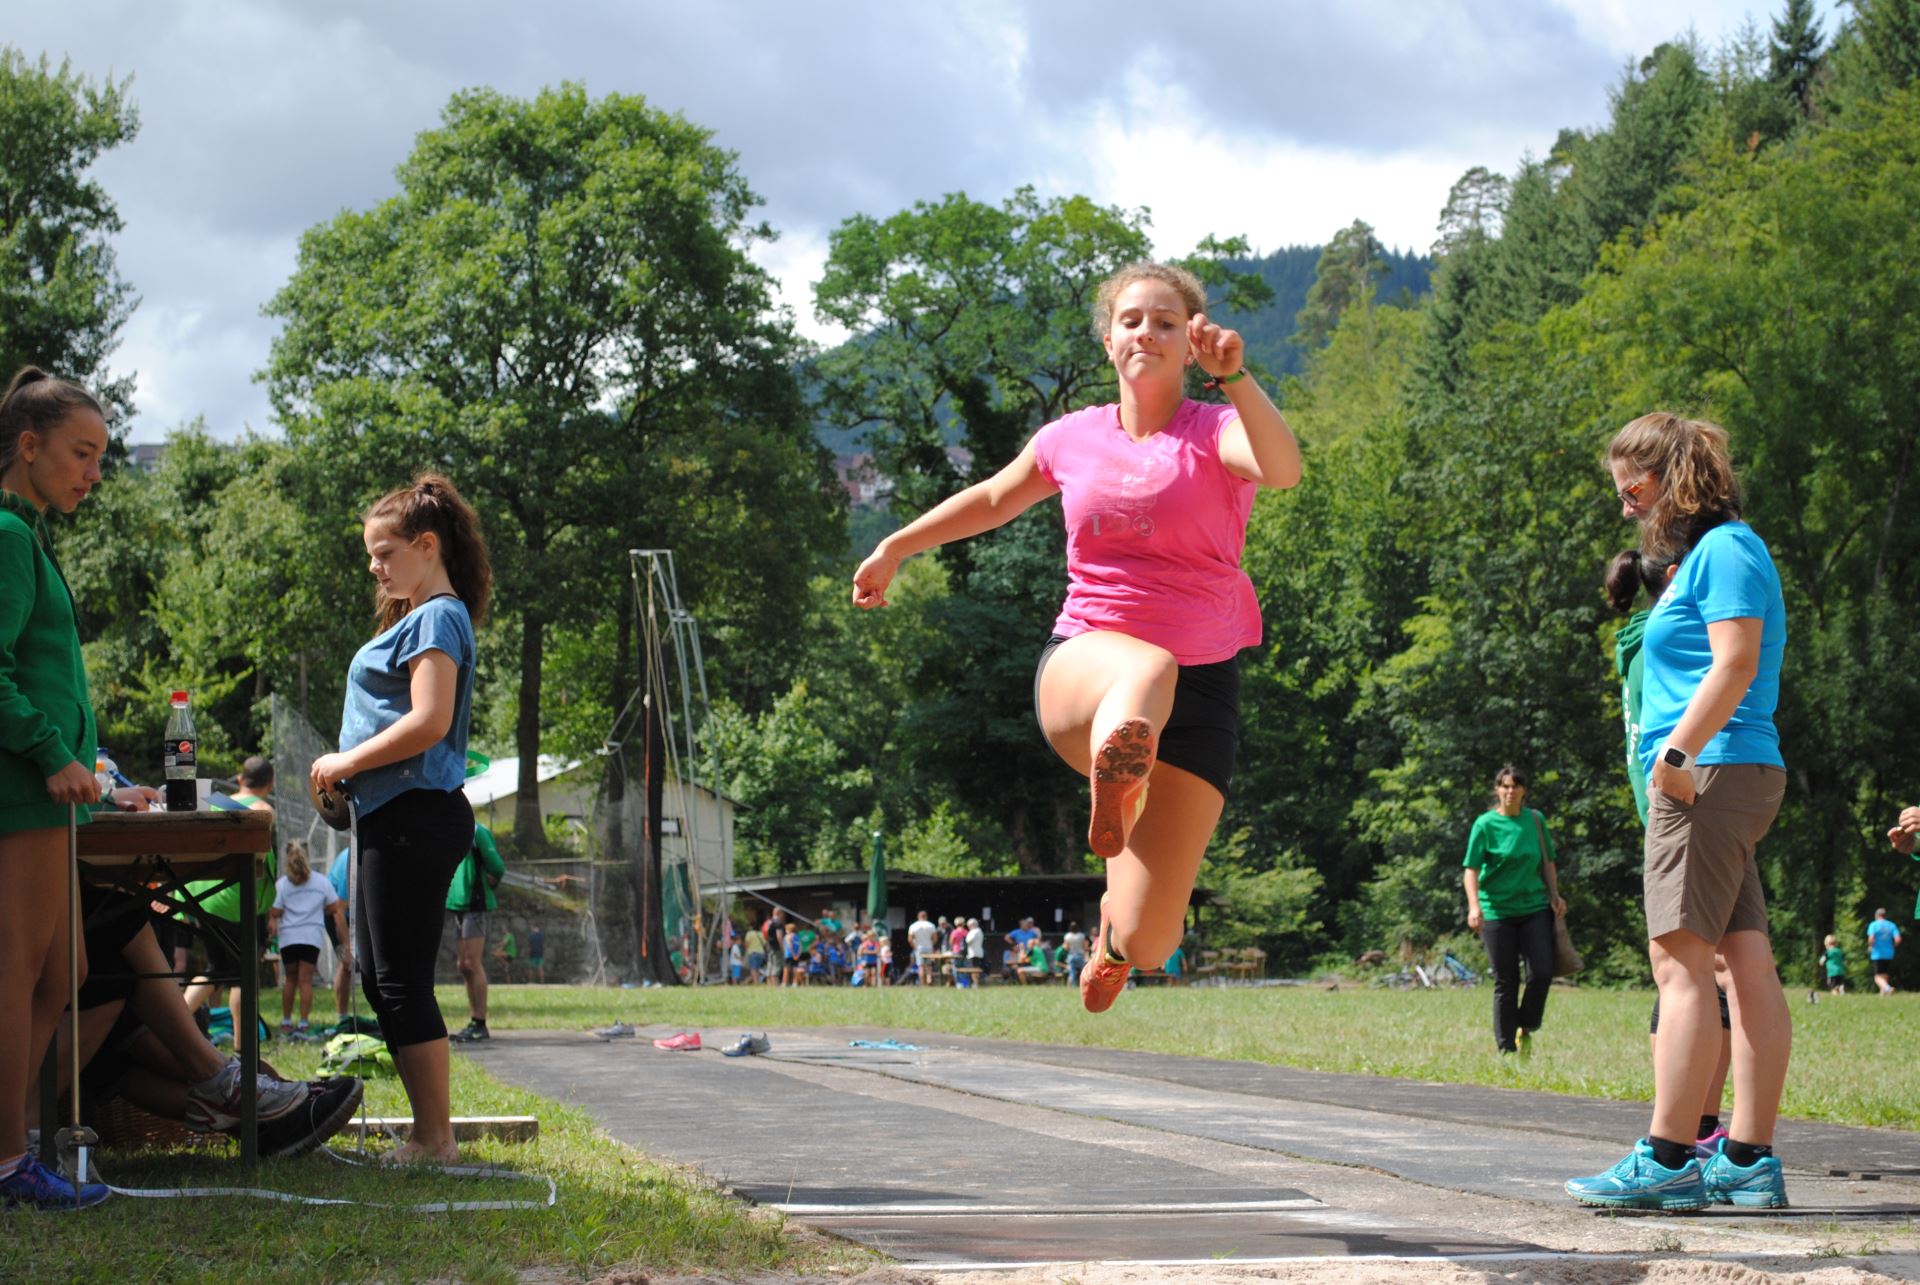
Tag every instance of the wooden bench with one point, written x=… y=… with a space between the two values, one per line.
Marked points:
x=1027 y=976
x=1156 y=976
x=971 y=973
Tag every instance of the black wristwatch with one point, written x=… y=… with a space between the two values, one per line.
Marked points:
x=1675 y=757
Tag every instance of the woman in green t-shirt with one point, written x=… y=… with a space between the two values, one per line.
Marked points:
x=52 y=438
x=1512 y=896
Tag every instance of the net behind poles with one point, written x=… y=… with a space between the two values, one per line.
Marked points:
x=296 y=744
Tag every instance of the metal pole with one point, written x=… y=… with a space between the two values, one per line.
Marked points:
x=75 y=1143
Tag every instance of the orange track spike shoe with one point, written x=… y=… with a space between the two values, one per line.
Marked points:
x=1104 y=977
x=1120 y=768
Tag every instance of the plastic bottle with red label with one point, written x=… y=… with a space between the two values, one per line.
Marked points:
x=179 y=757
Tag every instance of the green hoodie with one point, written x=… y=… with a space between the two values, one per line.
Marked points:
x=482 y=858
x=46 y=716
x=1632 y=668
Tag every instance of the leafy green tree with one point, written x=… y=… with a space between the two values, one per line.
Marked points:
x=62 y=302
x=558 y=309
x=1349 y=266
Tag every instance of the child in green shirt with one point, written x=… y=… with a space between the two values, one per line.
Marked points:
x=1836 y=962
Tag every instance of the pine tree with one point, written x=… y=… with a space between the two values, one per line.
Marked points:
x=1891 y=31
x=1349 y=267
x=1796 y=53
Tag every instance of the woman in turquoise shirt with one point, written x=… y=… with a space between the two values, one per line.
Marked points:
x=52 y=437
x=1716 y=778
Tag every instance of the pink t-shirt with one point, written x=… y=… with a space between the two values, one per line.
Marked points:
x=1154 y=531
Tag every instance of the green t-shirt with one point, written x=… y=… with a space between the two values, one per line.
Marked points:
x=471 y=891
x=225 y=902
x=1175 y=962
x=1039 y=957
x=508 y=946
x=1631 y=665
x=1836 y=962
x=1506 y=852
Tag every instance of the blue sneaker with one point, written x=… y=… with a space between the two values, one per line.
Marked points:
x=1709 y=1147
x=1641 y=1182
x=36 y=1186
x=1760 y=1185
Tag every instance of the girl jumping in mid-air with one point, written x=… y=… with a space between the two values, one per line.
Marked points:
x=1139 y=687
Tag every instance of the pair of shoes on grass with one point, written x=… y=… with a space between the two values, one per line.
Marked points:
x=1641 y=1182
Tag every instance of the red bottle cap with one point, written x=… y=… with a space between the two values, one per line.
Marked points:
x=180 y=698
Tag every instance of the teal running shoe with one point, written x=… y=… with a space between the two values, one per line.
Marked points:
x=1709 y=1147
x=1760 y=1185
x=1641 y=1182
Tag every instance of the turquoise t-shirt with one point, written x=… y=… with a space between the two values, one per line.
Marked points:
x=1880 y=935
x=1729 y=575
x=380 y=694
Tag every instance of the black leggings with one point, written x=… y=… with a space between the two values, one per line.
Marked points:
x=1508 y=941
x=408 y=852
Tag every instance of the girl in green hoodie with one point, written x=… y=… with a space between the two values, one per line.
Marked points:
x=52 y=438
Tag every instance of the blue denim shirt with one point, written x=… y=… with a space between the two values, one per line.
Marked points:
x=380 y=693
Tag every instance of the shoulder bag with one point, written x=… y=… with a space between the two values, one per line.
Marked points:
x=1566 y=960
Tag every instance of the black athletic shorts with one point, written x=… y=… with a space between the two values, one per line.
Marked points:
x=1202 y=735
x=300 y=955
x=1726 y=1015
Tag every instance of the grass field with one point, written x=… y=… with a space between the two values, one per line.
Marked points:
x=1852 y=1061
x=615 y=1209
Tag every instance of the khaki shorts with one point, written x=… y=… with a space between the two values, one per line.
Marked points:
x=1700 y=873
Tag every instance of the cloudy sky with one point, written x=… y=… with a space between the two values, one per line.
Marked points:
x=1281 y=120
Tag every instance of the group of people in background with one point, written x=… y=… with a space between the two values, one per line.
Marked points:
x=784 y=950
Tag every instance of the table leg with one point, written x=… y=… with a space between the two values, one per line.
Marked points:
x=249 y=1019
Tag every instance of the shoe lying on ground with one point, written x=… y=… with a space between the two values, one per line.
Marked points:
x=1710 y=1146
x=748 y=1046
x=215 y=1107
x=1760 y=1185
x=1524 y=1046
x=38 y=1187
x=1103 y=978
x=618 y=1031
x=329 y=1105
x=684 y=1042
x=471 y=1033
x=1641 y=1182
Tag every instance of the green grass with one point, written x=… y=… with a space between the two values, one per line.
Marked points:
x=615 y=1209
x=1852 y=1061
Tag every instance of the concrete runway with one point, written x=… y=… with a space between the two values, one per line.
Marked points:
x=972 y=1152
